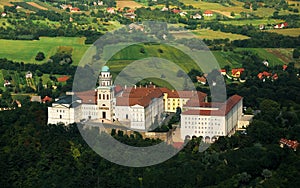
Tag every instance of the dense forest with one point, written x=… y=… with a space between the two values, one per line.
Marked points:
x=34 y=154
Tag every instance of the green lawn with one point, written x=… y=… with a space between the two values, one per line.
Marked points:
x=19 y=50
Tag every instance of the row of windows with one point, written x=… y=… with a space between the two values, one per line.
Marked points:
x=202 y=123
x=208 y=132
x=103 y=96
x=60 y=111
x=203 y=119
x=195 y=127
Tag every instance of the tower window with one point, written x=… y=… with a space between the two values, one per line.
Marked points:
x=99 y=96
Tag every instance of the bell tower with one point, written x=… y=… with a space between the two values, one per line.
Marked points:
x=105 y=94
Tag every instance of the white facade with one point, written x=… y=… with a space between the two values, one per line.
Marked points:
x=139 y=115
x=65 y=110
x=210 y=123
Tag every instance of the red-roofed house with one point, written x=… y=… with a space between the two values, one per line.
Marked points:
x=237 y=72
x=208 y=13
x=176 y=11
x=211 y=120
x=264 y=74
x=110 y=10
x=289 y=143
x=63 y=79
x=201 y=79
x=281 y=25
x=223 y=72
x=284 y=67
x=74 y=9
x=46 y=99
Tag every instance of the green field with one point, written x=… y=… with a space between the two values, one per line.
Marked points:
x=294 y=32
x=255 y=22
x=263 y=53
x=261 y=12
x=19 y=50
x=210 y=34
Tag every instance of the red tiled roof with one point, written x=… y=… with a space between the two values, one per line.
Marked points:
x=118 y=89
x=223 y=70
x=234 y=71
x=264 y=74
x=175 y=11
x=46 y=99
x=223 y=110
x=290 y=143
x=138 y=96
x=88 y=97
x=201 y=79
x=284 y=67
x=63 y=78
x=183 y=94
x=208 y=12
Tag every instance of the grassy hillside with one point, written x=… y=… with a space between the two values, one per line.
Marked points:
x=26 y=50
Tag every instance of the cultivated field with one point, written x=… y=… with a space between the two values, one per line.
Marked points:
x=208 y=34
x=255 y=22
x=294 y=32
x=261 y=12
x=130 y=4
x=26 y=50
x=37 y=6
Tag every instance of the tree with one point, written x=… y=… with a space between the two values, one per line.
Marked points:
x=40 y=56
x=296 y=53
x=266 y=173
x=232 y=14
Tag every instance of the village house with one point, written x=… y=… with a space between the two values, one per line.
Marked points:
x=237 y=72
x=196 y=16
x=208 y=13
x=281 y=25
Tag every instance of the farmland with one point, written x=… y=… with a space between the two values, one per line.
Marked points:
x=294 y=32
x=208 y=34
x=130 y=4
x=26 y=50
x=255 y=22
x=261 y=12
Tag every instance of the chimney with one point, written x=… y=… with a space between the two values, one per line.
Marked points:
x=134 y=86
x=146 y=86
x=125 y=86
x=140 y=86
x=172 y=90
x=154 y=86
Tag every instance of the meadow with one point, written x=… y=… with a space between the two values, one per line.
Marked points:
x=126 y=3
x=261 y=12
x=25 y=51
x=255 y=22
x=294 y=32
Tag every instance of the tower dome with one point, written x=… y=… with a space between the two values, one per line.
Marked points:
x=105 y=69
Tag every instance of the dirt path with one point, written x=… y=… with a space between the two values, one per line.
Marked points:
x=227 y=14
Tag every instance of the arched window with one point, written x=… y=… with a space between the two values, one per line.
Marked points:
x=99 y=96
x=107 y=96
